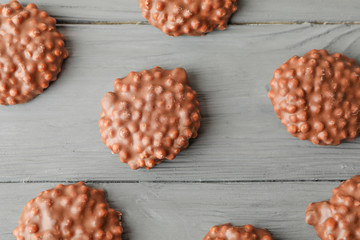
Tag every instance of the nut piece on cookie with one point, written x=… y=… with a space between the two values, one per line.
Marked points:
x=69 y=212
x=230 y=232
x=189 y=17
x=150 y=116
x=32 y=52
x=317 y=97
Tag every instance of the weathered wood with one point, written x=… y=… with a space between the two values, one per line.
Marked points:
x=187 y=211
x=250 y=11
x=56 y=136
x=223 y=176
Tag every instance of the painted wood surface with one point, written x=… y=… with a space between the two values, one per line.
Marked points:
x=179 y=211
x=250 y=11
x=56 y=136
x=243 y=168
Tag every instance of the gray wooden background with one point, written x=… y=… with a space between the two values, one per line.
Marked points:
x=243 y=168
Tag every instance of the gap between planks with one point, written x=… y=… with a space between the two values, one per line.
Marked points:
x=183 y=182
x=80 y=22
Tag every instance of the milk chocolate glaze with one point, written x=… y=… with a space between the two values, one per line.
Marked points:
x=317 y=97
x=69 y=212
x=150 y=116
x=31 y=52
x=338 y=218
x=230 y=232
x=189 y=17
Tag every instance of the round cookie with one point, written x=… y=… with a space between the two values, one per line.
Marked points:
x=69 y=212
x=317 y=97
x=150 y=116
x=338 y=218
x=31 y=52
x=190 y=17
x=230 y=232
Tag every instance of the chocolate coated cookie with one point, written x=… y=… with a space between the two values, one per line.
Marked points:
x=190 y=17
x=338 y=218
x=69 y=212
x=230 y=232
x=31 y=52
x=317 y=97
x=150 y=116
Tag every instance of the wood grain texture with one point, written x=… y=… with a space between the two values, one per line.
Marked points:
x=56 y=136
x=243 y=168
x=250 y=11
x=187 y=211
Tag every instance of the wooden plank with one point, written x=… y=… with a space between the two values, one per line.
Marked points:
x=187 y=211
x=250 y=11
x=56 y=136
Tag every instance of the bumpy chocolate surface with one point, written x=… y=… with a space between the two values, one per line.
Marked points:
x=31 y=52
x=230 y=232
x=69 y=212
x=190 y=17
x=317 y=97
x=338 y=219
x=150 y=116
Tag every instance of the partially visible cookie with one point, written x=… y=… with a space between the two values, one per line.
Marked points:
x=189 y=17
x=338 y=218
x=32 y=52
x=317 y=97
x=69 y=212
x=150 y=116
x=230 y=232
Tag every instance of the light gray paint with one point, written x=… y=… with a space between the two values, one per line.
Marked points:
x=243 y=168
x=56 y=136
x=250 y=11
x=177 y=211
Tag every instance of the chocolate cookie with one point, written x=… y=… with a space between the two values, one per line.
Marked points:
x=150 y=116
x=317 y=97
x=338 y=219
x=32 y=52
x=190 y=17
x=69 y=212
x=230 y=232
